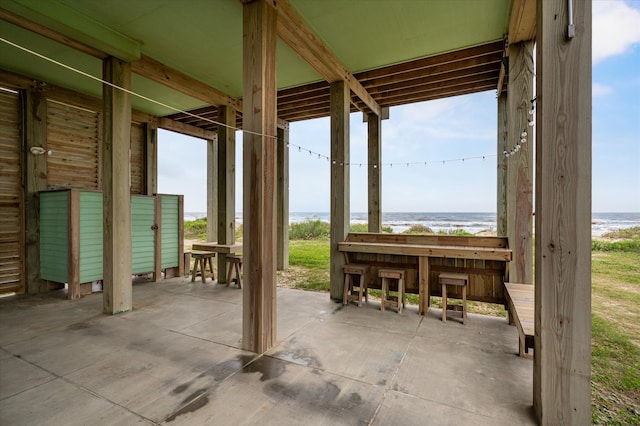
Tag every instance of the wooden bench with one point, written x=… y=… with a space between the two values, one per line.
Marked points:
x=521 y=308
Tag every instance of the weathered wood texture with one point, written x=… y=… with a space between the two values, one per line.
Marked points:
x=374 y=156
x=117 y=287
x=151 y=159
x=259 y=175
x=12 y=203
x=226 y=184
x=520 y=308
x=562 y=363
x=73 y=136
x=212 y=190
x=501 y=196
x=137 y=158
x=36 y=181
x=282 y=261
x=483 y=258
x=340 y=191
x=520 y=165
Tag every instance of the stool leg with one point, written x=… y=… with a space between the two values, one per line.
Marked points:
x=360 y=290
x=203 y=270
x=464 y=304
x=384 y=294
x=229 y=272
x=345 y=291
x=444 y=303
x=195 y=269
x=238 y=269
x=400 y=295
x=213 y=274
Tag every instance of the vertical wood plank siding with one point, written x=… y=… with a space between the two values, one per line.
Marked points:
x=11 y=196
x=137 y=157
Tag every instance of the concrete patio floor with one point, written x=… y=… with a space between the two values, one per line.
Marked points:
x=177 y=359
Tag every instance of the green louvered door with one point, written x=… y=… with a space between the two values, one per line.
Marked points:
x=142 y=234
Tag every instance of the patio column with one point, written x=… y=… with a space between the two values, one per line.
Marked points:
x=36 y=181
x=212 y=189
x=340 y=209
x=520 y=165
x=283 y=198
x=374 y=126
x=562 y=360
x=259 y=175
x=226 y=208
x=116 y=197
x=501 y=210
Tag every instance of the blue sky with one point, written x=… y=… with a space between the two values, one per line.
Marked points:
x=450 y=129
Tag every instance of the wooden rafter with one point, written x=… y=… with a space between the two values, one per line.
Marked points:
x=303 y=40
x=160 y=73
x=522 y=24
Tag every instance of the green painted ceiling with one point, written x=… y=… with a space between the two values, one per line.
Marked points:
x=203 y=38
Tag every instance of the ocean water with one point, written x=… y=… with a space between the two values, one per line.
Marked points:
x=470 y=222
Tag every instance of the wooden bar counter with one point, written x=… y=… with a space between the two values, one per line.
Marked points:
x=485 y=259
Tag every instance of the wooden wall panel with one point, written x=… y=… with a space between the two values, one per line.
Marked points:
x=11 y=195
x=137 y=158
x=73 y=138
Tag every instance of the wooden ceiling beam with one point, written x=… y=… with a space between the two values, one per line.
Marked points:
x=400 y=98
x=489 y=49
x=186 y=129
x=46 y=32
x=436 y=78
x=522 y=21
x=160 y=73
x=303 y=40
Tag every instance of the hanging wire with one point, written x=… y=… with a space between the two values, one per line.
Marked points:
x=132 y=93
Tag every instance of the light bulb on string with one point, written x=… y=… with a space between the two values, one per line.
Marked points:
x=523 y=134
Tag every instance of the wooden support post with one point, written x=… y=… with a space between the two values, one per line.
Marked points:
x=520 y=165
x=374 y=125
x=36 y=181
x=116 y=198
x=73 y=265
x=282 y=262
x=501 y=211
x=340 y=208
x=181 y=264
x=151 y=159
x=157 y=239
x=259 y=175
x=212 y=189
x=562 y=357
x=226 y=177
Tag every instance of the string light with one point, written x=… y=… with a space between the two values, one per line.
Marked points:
x=178 y=110
x=524 y=134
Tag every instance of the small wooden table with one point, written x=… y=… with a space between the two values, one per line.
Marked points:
x=222 y=250
x=521 y=312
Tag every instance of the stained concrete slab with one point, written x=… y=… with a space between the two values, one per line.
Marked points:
x=177 y=359
x=275 y=392
x=59 y=402
x=18 y=375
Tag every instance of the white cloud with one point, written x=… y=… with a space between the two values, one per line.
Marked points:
x=616 y=28
x=598 y=89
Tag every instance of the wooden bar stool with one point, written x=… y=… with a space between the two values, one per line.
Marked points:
x=234 y=269
x=201 y=260
x=460 y=280
x=349 y=292
x=387 y=300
